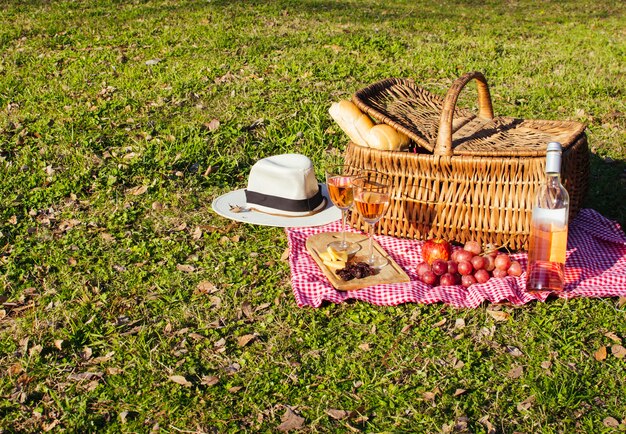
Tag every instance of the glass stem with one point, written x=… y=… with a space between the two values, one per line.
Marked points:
x=343 y=228
x=371 y=243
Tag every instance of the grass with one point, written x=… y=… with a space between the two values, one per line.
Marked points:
x=116 y=277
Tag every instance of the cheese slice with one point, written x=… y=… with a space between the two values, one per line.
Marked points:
x=338 y=255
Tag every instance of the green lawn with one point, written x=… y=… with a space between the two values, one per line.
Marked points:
x=129 y=306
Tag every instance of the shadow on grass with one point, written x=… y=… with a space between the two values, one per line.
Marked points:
x=607 y=189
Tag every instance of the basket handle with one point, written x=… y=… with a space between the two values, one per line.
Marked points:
x=485 y=109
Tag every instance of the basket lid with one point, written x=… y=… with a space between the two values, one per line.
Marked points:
x=439 y=126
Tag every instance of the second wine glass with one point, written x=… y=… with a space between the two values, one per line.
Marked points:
x=371 y=197
x=339 y=182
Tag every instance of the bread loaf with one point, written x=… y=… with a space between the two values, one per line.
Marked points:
x=352 y=121
x=387 y=138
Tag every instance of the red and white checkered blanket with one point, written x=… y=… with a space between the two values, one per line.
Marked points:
x=595 y=267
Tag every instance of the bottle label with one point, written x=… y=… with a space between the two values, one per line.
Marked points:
x=556 y=218
x=548 y=236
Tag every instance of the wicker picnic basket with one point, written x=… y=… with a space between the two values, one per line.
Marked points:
x=470 y=177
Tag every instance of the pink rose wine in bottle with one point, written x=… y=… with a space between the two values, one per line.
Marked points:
x=548 y=230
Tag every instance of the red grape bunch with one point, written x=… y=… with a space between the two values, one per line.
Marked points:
x=468 y=266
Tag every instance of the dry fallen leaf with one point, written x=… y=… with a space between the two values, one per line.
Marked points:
x=364 y=346
x=610 y=422
x=526 y=404
x=337 y=414
x=600 y=354
x=213 y=125
x=499 y=315
x=86 y=353
x=234 y=389
x=197 y=233
x=485 y=421
x=285 y=256
x=429 y=396
x=514 y=351
x=185 y=268
x=290 y=421
x=459 y=323
x=50 y=426
x=440 y=323
x=209 y=380
x=13 y=219
x=107 y=237
x=15 y=369
x=515 y=372
x=245 y=339
x=179 y=379
x=246 y=309
x=137 y=191
x=618 y=351
x=458 y=392
x=612 y=336
x=206 y=287
x=546 y=364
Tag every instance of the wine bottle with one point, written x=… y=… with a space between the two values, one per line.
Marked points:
x=548 y=231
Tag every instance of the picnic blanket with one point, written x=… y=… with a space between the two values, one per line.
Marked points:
x=595 y=267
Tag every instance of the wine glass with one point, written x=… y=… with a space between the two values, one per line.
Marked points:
x=371 y=197
x=339 y=182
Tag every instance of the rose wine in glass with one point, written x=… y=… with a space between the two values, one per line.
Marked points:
x=371 y=197
x=339 y=183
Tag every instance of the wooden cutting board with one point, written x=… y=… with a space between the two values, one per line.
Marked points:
x=391 y=273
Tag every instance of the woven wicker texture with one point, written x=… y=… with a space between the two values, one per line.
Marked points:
x=484 y=196
x=438 y=126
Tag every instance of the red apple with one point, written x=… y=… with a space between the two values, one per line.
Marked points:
x=436 y=249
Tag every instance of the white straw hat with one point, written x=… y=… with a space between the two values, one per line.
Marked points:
x=282 y=191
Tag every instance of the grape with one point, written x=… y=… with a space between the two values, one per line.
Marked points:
x=515 y=269
x=498 y=272
x=465 y=268
x=453 y=256
x=453 y=267
x=468 y=280
x=429 y=277
x=490 y=262
x=482 y=276
x=439 y=266
x=464 y=255
x=502 y=261
x=473 y=247
x=478 y=262
x=447 y=279
x=422 y=268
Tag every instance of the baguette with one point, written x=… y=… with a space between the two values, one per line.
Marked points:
x=387 y=138
x=352 y=121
